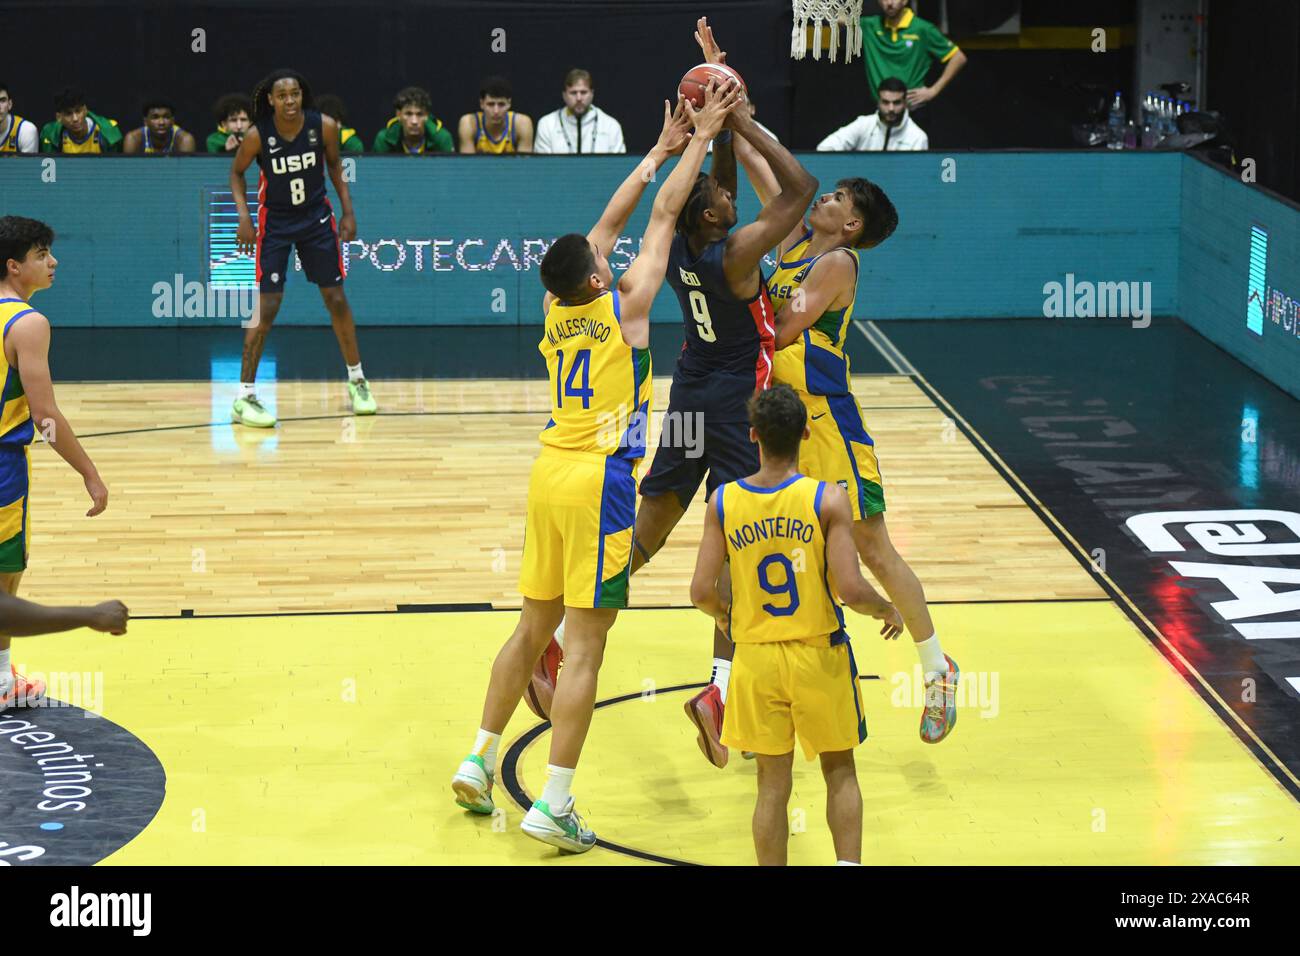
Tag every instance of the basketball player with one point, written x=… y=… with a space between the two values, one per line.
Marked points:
x=26 y=267
x=582 y=492
x=793 y=674
x=495 y=128
x=726 y=359
x=292 y=144
x=813 y=290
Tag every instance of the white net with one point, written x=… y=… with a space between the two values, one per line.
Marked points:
x=826 y=15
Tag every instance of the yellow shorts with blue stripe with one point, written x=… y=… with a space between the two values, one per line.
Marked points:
x=783 y=690
x=15 y=517
x=840 y=451
x=578 y=535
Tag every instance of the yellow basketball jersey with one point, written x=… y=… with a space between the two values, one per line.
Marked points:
x=93 y=143
x=779 y=585
x=16 y=426
x=600 y=385
x=815 y=363
x=483 y=143
x=10 y=143
x=171 y=142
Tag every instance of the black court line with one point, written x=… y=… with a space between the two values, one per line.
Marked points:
x=1243 y=733
x=510 y=775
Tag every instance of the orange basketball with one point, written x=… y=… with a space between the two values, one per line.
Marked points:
x=696 y=81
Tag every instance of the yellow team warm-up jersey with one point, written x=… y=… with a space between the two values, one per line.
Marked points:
x=779 y=585
x=600 y=385
x=816 y=363
x=16 y=428
x=483 y=143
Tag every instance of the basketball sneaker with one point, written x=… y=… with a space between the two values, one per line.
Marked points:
x=472 y=785
x=541 y=686
x=249 y=411
x=940 y=715
x=363 y=403
x=18 y=691
x=705 y=711
x=565 y=830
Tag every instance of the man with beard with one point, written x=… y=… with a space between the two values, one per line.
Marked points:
x=889 y=128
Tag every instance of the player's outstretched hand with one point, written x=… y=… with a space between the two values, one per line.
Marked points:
x=708 y=46
x=245 y=238
x=677 y=128
x=98 y=492
x=893 y=621
x=109 y=616
x=718 y=102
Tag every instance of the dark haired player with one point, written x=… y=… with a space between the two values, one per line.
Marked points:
x=582 y=490
x=159 y=134
x=787 y=540
x=726 y=359
x=27 y=266
x=292 y=144
x=813 y=290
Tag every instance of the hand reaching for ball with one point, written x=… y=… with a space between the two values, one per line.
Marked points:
x=719 y=101
x=708 y=46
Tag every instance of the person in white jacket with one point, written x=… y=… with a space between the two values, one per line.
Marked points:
x=579 y=126
x=890 y=128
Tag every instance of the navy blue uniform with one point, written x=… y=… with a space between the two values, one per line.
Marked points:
x=727 y=358
x=292 y=208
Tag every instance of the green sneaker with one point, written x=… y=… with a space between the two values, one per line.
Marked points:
x=565 y=830
x=363 y=403
x=249 y=411
x=472 y=785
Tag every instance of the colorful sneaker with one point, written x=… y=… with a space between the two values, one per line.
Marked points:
x=565 y=830
x=249 y=411
x=940 y=715
x=363 y=403
x=473 y=786
x=705 y=711
x=22 y=692
x=541 y=686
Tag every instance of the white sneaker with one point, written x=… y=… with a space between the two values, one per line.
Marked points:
x=472 y=785
x=565 y=830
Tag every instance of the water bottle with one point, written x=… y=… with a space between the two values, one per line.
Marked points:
x=1115 y=124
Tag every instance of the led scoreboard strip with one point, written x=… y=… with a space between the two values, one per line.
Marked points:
x=227 y=267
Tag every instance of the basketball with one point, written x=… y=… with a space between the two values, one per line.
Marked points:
x=697 y=78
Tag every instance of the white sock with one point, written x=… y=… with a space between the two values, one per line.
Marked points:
x=354 y=373
x=6 y=675
x=558 y=782
x=721 y=676
x=485 y=746
x=559 y=634
x=247 y=389
x=932 y=660
x=846 y=863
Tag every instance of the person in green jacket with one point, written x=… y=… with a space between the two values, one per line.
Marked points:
x=233 y=113
x=332 y=106
x=412 y=130
x=76 y=129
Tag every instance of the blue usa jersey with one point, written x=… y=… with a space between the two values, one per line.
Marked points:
x=729 y=341
x=292 y=181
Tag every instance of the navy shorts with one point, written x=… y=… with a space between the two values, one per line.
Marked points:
x=317 y=240
x=682 y=460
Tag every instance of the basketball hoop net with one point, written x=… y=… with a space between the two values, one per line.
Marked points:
x=826 y=15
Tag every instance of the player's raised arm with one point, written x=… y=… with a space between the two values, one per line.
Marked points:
x=837 y=275
x=640 y=284
x=842 y=561
x=723 y=167
x=765 y=186
x=708 y=567
x=780 y=214
x=329 y=130
x=249 y=147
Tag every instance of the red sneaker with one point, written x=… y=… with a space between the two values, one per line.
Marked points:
x=22 y=692
x=541 y=686
x=705 y=711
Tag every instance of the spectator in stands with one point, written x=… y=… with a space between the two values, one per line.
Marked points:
x=898 y=43
x=159 y=135
x=495 y=128
x=76 y=129
x=17 y=135
x=580 y=126
x=332 y=106
x=412 y=130
x=232 y=112
x=889 y=128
